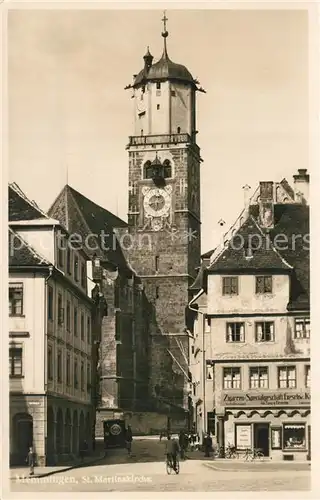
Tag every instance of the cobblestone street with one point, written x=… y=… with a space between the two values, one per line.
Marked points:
x=145 y=471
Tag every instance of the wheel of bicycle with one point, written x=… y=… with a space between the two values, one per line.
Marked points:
x=177 y=467
x=259 y=455
x=168 y=467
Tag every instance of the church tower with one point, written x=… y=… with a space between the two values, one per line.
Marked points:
x=164 y=213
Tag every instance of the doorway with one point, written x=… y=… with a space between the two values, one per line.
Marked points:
x=261 y=437
x=23 y=433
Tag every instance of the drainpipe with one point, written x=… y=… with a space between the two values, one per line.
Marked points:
x=45 y=357
x=203 y=315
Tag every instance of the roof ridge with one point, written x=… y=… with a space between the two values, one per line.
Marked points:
x=34 y=252
x=19 y=191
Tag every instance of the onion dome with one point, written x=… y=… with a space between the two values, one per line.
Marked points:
x=164 y=69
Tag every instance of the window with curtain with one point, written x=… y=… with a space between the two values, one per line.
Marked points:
x=287 y=377
x=15 y=299
x=302 y=328
x=259 y=377
x=263 y=284
x=235 y=332
x=264 y=331
x=232 y=378
x=230 y=285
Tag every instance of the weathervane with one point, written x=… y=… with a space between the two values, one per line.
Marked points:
x=164 y=19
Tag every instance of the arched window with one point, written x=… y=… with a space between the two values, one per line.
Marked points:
x=148 y=170
x=167 y=171
x=178 y=130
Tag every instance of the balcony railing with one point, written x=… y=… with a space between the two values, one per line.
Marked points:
x=141 y=140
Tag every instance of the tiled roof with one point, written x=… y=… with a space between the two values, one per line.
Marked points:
x=21 y=254
x=20 y=207
x=234 y=258
x=81 y=216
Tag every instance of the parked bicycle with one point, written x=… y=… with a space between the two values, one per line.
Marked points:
x=255 y=454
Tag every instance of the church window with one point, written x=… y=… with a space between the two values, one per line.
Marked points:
x=148 y=170
x=158 y=85
x=167 y=170
x=178 y=130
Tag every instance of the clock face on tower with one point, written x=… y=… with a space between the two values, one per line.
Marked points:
x=157 y=202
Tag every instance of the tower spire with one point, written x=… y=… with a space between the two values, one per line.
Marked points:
x=165 y=33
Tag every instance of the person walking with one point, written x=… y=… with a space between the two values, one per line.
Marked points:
x=207 y=442
x=31 y=461
x=172 y=450
x=182 y=444
x=128 y=439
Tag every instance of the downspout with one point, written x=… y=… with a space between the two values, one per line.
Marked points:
x=204 y=420
x=46 y=325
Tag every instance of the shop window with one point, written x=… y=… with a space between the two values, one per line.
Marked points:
x=259 y=377
x=263 y=284
x=235 y=332
x=232 y=378
x=307 y=377
x=302 y=328
x=15 y=299
x=243 y=436
x=294 y=436
x=15 y=361
x=230 y=285
x=265 y=331
x=276 y=438
x=287 y=377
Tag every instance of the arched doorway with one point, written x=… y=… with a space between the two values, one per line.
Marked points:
x=88 y=430
x=82 y=435
x=67 y=433
x=75 y=433
x=50 y=436
x=23 y=436
x=59 y=446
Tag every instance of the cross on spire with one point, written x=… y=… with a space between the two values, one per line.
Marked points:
x=164 y=19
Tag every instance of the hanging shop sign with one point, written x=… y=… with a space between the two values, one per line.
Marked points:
x=242 y=398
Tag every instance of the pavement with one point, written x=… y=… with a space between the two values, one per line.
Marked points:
x=145 y=471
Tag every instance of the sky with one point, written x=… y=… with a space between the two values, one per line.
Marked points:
x=70 y=117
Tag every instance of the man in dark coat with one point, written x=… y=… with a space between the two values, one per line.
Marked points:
x=31 y=461
x=172 y=450
x=128 y=439
x=207 y=442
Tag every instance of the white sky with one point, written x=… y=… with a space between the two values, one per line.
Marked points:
x=68 y=106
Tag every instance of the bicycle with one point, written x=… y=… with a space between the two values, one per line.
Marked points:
x=231 y=452
x=169 y=466
x=256 y=453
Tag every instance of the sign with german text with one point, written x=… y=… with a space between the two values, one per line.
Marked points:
x=263 y=398
x=243 y=436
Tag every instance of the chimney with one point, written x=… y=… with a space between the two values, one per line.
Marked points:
x=266 y=214
x=301 y=186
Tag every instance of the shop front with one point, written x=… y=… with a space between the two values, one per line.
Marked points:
x=277 y=423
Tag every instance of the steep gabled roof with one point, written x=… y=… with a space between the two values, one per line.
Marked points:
x=21 y=253
x=81 y=216
x=20 y=207
x=264 y=257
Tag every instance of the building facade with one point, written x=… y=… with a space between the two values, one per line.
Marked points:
x=120 y=330
x=164 y=215
x=252 y=328
x=50 y=350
